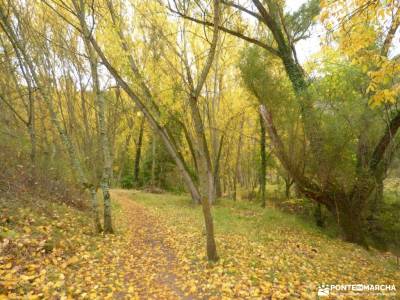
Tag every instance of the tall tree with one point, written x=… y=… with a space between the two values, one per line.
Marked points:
x=102 y=125
x=285 y=30
x=263 y=166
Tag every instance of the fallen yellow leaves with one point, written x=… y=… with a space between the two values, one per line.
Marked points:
x=261 y=263
x=54 y=257
x=158 y=253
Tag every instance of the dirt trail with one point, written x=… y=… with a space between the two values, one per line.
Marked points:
x=152 y=265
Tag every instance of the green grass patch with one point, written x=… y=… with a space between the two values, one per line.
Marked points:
x=234 y=217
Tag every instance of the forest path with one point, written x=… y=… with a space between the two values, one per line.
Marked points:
x=152 y=261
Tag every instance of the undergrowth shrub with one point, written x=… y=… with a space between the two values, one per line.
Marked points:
x=20 y=178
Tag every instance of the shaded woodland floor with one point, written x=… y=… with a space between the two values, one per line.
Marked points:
x=48 y=251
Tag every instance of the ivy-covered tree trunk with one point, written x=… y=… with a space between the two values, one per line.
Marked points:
x=351 y=221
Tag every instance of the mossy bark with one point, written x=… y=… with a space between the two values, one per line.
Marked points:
x=352 y=226
x=95 y=211
x=108 y=228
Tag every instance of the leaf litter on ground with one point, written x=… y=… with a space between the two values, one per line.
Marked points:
x=48 y=251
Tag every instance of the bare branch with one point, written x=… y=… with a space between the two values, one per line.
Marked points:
x=231 y=32
x=243 y=9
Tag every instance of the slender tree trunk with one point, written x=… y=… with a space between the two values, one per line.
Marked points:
x=107 y=163
x=136 y=169
x=203 y=153
x=31 y=122
x=153 y=161
x=123 y=157
x=207 y=192
x=206 y=180
x=263 y=167
x=206 y=176
x=102 y=125
x=218 y=187
x=217 y=179
x=32 y=136
x=190 y=145
x=237 y=168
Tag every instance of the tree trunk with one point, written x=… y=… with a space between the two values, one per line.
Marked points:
x=287 y=189
x=351 y=222
x=31 y=122
x=102 y=127
x=32 y=136
x=217 y=181
x=153 y=162
x=288 y=185
x=319 y=219
x=377 y=195
x=237 y=167
x=206 y=180
x=107 y=168
x=95 y=211
x=263 y=167
x=206 y=176
x=190 y=145
x=123 y=156
x=108 y=228
x=136 y=169
x=218 y=188
x=208 y=220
